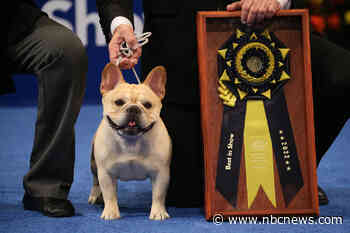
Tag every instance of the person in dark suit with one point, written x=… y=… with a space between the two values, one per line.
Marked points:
x=173 y=44
x=35 y=44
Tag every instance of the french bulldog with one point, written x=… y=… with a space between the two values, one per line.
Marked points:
x=131 y=142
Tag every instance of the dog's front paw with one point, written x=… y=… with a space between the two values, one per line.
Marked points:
x=158 y=213
x=110 y=213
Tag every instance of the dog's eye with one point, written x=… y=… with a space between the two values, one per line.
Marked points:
x=147 y=105
x=119 y=102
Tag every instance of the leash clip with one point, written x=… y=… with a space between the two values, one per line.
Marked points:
x=126 y=51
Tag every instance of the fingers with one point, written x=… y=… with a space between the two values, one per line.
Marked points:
x=137 y=54
x=274 y=8
x=246 y=8
x=113 y=48
x=121 y=34
x=251 y=16
x=128 y=63
x=261 y=12
x=130 y=39
x=234 y=6
x=256 y=11
x=270 y=12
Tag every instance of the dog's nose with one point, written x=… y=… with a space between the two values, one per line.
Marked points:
x=133 y=110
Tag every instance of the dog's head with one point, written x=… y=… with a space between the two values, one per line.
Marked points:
x=132 y=109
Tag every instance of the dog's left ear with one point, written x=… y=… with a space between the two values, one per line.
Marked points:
x=111 y=76
x=156 y=80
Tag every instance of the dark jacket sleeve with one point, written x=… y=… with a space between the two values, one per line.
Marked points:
x=109 y=9
x=20 y=17
x=299 y=4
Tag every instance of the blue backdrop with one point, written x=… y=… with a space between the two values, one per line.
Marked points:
x=82 y=18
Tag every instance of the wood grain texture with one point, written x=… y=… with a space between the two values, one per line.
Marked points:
x=292 y=28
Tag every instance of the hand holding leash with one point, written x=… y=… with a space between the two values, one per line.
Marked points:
x=126 y=51
x=124 y=33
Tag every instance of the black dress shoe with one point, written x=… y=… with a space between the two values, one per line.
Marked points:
x=322 y=196
x=51 y=207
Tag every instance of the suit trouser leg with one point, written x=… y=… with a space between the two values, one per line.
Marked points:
x=186 y=187
x=331 y=89
x=57 y=57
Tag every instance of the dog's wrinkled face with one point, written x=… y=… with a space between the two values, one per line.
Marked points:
x=132 y=109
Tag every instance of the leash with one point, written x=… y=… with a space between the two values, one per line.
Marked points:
x=127 y=52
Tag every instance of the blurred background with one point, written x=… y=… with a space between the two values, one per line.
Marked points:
x=330 y=18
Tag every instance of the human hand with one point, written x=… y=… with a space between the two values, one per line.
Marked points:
x=255 y=11
x=123 y=33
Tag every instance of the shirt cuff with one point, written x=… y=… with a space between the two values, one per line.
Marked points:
x=285 y=4
x=118 y=21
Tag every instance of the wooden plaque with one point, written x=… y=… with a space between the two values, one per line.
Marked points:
x=291 y=27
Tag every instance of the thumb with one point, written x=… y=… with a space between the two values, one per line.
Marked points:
x=234 y=6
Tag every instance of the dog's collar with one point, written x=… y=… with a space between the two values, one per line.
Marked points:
x=117 y=127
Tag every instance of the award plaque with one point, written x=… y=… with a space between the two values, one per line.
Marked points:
x=257 y=115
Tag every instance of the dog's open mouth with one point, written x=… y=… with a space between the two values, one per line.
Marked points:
x=130 y=128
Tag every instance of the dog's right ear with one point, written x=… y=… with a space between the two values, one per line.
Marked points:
x=111 y=76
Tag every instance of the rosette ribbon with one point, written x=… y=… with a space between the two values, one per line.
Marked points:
x=253 y=66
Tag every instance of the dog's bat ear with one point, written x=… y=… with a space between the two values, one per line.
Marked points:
x=156 y=80
x=111 y=76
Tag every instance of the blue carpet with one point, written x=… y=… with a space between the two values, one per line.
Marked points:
x=16 y=133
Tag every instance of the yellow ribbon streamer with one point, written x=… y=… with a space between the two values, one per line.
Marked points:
x=258 y=152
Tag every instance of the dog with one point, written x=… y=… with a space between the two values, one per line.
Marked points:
x=131 y=142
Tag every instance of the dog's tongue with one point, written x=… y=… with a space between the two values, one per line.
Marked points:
x=132 y=123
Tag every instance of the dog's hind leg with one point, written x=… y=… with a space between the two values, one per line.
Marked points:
x=95 y=193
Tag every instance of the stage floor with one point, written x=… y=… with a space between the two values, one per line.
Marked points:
x=16 y=133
